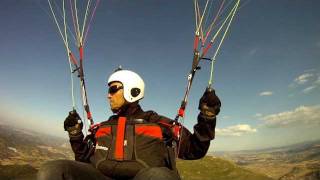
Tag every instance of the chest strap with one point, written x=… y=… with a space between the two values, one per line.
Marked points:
x=120 y=138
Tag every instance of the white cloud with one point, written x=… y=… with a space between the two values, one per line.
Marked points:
x=303 y=115
x=266 y=93
x=303 y=78
x=309 y=89
x=309 y=81
x=237 y=130
x=257 y=115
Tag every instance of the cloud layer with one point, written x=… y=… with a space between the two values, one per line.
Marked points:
x=308 y=81
x=266 y=93
x=237 y=130
x=303 y=78
x=303 y=115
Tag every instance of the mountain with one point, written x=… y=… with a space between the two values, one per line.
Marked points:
x=295 y=162
x=22 y=152
x=20 y=147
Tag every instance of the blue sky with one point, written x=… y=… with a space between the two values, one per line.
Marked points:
x=267 y=73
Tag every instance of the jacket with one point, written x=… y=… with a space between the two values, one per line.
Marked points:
x=135 y=139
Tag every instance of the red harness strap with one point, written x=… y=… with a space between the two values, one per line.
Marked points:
x=103 y=132
x=151 y=131
x=120 y=138
x=174 y=128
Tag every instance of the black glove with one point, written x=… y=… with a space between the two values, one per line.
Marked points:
x=209 y=104
x=73 y=124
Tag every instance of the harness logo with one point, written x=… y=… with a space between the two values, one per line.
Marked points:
x=102 y=147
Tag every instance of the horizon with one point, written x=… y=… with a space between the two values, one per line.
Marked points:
x=267 y=73
x=65 y=137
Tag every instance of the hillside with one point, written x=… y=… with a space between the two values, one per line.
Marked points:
x=213 y=168
x=20 y=147
x=295 y=162
x=209 y=168
x=22 y=152
x=17 y=172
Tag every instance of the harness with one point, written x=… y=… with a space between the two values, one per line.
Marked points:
x=125 y=146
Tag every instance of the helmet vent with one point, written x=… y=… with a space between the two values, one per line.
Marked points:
x=135 y=92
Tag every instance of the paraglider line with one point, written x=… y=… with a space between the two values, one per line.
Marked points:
x=73 y=20
x=200 y=23
x=221 y=41
x=85 y=18
x=55 y=19
x=214 y=20
x=77 y=23
x=89 y=25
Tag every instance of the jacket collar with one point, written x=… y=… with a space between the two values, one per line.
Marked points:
x=130 y=109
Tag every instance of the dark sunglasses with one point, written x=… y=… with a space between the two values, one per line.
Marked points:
x=114 y=89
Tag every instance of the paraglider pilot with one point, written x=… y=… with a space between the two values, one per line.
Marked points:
x=133 y=144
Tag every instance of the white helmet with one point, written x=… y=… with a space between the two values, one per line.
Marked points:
x=133 y=85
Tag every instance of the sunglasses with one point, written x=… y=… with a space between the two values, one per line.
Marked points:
x=114 y=89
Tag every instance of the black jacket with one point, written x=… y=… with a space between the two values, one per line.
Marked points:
x=191 y=146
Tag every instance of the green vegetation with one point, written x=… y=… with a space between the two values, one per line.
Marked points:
x=22 y=153
x=208 y=168
x=212 y=168
x=16 y=172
